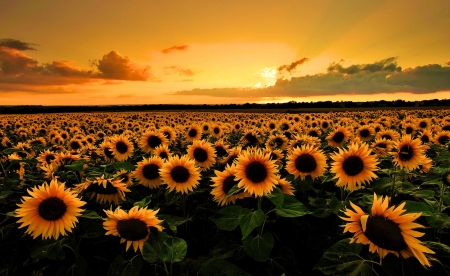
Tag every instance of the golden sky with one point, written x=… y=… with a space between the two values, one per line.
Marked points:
x=208 y=51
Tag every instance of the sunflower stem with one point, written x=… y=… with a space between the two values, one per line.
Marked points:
x=393 y=186
x=3 y=169
x=440 y=198
x=342 y=195
x=165 y=268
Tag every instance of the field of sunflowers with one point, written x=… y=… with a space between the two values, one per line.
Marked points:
x=196 y=193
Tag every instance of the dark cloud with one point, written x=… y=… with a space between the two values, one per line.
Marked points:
x=379 y=77
x=14 y=62
x=174 y=48
x=293 y=65
x=16 y=44
x=115 y=66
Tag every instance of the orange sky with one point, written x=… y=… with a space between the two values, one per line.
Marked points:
x=144 y=52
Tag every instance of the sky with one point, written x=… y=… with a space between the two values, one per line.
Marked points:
x=214 y=52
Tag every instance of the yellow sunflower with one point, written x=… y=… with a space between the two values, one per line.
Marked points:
x=442 y=138
x=250 y=137
x=277 y=141
x=124 y=176
x=338 y=136
x=147 y=172
x=386 y=230
x=388 y=134
x=354 y=167
x=223 y=182
x=256 y=173
x=305 y=161
x=203 y=153
x=409 y=153
x=121 y=147
x=194 y=132
x=104 y=190
x=132 y=227
x=151 y=140
x=285 y=186
x=50 y=211
x=233 y=154
x=168 y=132
x=382 y=147
x=217 y=131
x=106 y=151
x=163 y=152
x=365 y=132
x=181 y=174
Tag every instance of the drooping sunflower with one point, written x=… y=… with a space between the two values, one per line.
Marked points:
x=386 y=230
x=354 y=167
x=104 y=190
x=285 y=186
x=409 y=153
x=223 y=182
x=181 y=174
x=203 y=153
x=151 y=140
x=147 y=172
x=338 y=136
x=124 y=176
x=106 y=151
x=256 y=173
x=194 y=132
x=121 y=147
x=132 y=227
x=51 y=210
x=277 y=155
x=306 y=160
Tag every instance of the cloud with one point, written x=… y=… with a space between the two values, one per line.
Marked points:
x=293 y=65
x=115 y=66
x=174 y=48
x=12 y=61
x=379 y=77
x=16 y=44
x=179 y=71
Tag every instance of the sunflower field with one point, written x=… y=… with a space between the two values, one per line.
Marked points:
x=196 y=193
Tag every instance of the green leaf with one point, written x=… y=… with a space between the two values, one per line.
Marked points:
x=291 y=208
x=228 y=218
x=173 y=250
x=227 y=247
x=250 y=221
x=49 y=249
x=12 y=150
x=441 y=250
x=220 y=267
x=144 y=202
x=439 y=220
x=89 y=214
x=419 y=207
x=121 y=267
x=172 y=221
x=259 y=247
x=123 y=165
x=335 y=205
x=424 y=194
x=234 y=190
x=78 y=268
x=5 y=194
x=276 y=197
x=150 y=253
x=343 y=258
x=76 y=166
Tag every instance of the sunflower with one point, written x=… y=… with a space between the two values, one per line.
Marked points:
x=409 y=153
x=426 y=137
x=285 y=186
x=313 y=131
x=217 y=131
x=354 y=167
x=365 y=132
x=50 y=211
x=277 y=141
x=132 y=227
x=106 y=151
x=338 y=136
x=121 y=147
x=382 y=147
x=147 y=172
x=276 y=155
x=181 y=174
x=75 y=144
x=305 y=161
x=424 y=123
x=124 y=176
x=46 y=157
x=221 y=148
x=256 y=173
x=409 y=128
x=388 y=134
x=272 y=125
x=223 y=182
x=233 y=154
x=163 y=152
x=104 y=190
x=194 y=132
x=151 y=140
x=203 y=153
x=250 y=137
x=386 y=230
x=442 y=138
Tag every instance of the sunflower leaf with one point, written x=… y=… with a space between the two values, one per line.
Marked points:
x=419 y=207
x=123 y=165
x=228 y=218
x=12 y=150
x=173 y=250
x=89 y=214
x=76 y=166
x=172 y=222
x=234 y=190
x=259 y=247
x=291 y=208
x=121 y=267
x=276 y=197
x=343 y=258
x=50 y=249
x=149 y=253
x=216 y=267
x=250 y=221
x=144 y=202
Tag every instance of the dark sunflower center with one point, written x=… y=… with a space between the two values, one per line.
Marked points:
x=192 y=133
x=409 y=130
x=338 y=137
x=220 y=151
x=22 y=154
x=228 y=183
x=384 y=233
x=205 y=128
x=364 y=133
x=100 y=189
x=180 y=174
x=108 y=153
x=382 y=145
x=75 y=145
x=49 y=158
x=271 y=126
x=132 y=229
x=200 y=155
x=284 y=126
x=153 y=141
x=387 y=137
x=167 y=134
x=256 y=172
x=124 y=178
x=313 y=133
x=324 y=125
x=443 y=139
x=52 y=208
x=406 y=153
x=278 y=141
x=150 y=171
x=216 y=130
x=353 y=165
x=273 y=156
x=251 y=138
x=305 y=163
x=163 y=155
x=425 y=139
x=423 y=124
x=446 y=128
x=121 y=147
